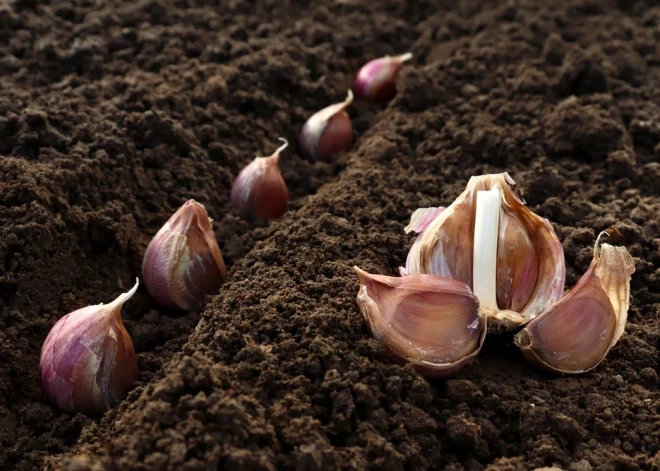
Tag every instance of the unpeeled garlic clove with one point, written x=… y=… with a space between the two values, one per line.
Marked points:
x=88 y=363
x=259 y=191
x=517 y=262
x=183 y=263
x=327 y=132
x=429 y=321
x=376 y=80
x=527 y=271
x=576 y=333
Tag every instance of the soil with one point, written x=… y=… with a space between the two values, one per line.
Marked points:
x=113 y=113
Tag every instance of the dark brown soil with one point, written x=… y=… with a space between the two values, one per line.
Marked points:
x=113 y=113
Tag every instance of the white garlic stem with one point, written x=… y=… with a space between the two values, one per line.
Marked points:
x=484 y=260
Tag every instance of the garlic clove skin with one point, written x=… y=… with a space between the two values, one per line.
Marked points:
x=376 y=80
x=183 y=263
x=259 y=191
x=530 y=270
x=422 y=218
x=419 y=221
x=327 y=132
x=88 y=362
x=577 y=332
x=429 y=321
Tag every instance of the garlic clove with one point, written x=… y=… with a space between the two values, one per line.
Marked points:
x=577 y=332
x=327 y=132
x=88 y=363
x=183 y=263
x=429 y=321
x=517 y=263
x=259 y=191
x=524 y=287
x=376 y=80
x=549 y=286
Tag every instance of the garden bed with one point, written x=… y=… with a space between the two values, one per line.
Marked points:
x=112 y=114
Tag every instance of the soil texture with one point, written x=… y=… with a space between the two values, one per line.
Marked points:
x=113 y=113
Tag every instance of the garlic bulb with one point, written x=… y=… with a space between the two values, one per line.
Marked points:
x=575 y=334
x=513 y=261
x=488 y=248
x=183 y=263
x=88 y=363
x=430 y=321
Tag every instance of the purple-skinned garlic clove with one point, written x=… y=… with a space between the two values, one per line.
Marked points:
x=183 y=263
x=259 y=191
x=429 y=321
x=88 y=362
x=327 y=132
x=376 y=80
x=577 y=332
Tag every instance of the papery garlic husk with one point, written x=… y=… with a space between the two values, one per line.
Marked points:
x=376 y=80
x=183 y=263
x=259 y=191
x=530 y=269
x=327 y=132
x=577 y=332
x=88 y=363
x=429 y=321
